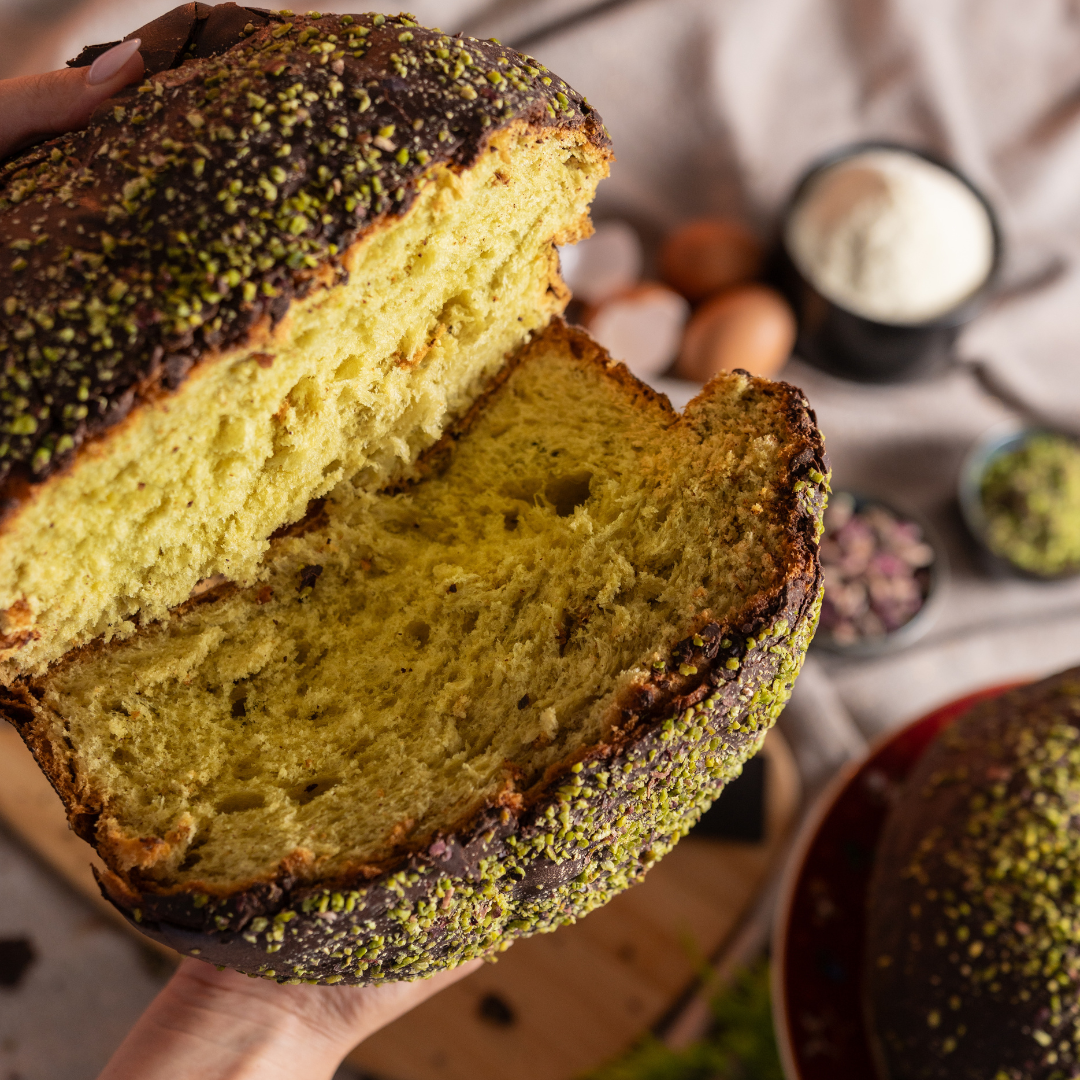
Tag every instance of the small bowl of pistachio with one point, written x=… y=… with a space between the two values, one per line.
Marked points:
x=1020 y=499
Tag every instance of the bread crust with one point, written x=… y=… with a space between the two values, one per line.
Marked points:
x=529 y=860
x=109 y=300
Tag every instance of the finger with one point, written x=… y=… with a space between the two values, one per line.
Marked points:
x=373 y=1007
x=36 y=106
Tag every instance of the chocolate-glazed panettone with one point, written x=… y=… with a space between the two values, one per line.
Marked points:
x=973 y=948
x=292 y=254
x=461 y=710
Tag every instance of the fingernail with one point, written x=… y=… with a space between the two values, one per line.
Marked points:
x=109 y=63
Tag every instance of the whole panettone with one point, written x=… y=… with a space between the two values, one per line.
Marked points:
x=289 y=258
x=463 y=708
x=973 y=947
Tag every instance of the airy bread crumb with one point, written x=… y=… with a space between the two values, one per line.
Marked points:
x=420 y=652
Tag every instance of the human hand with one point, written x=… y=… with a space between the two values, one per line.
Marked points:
x=219 y=1025
x=36 y=106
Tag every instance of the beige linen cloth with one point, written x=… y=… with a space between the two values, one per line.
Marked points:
x=718 y=106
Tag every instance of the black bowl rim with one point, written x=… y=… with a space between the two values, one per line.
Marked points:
x=972 y=304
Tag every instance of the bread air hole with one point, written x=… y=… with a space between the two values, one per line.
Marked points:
x=241 y=801
x=567 y=493
x=306 y=792
x=563 y=494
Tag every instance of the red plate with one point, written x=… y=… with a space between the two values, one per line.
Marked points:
x=821 y=921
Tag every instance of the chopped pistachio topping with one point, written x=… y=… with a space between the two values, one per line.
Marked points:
x=990 y=884
x=1031 y=499
x=207 y=198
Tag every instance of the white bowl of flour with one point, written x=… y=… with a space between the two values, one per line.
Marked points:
x=894 y=251
x=892 y=237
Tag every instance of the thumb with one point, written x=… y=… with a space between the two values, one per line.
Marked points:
x=36 y=106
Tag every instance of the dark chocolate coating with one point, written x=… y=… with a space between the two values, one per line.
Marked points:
x=973 y=941
x=190 y=30
x=197 y=205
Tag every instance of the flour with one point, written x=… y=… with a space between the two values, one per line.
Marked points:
x=892 y=237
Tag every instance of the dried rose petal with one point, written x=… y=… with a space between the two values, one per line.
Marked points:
x=873 y=565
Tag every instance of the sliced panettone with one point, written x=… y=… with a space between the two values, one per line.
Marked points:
x=466 y=708
x=294 y=256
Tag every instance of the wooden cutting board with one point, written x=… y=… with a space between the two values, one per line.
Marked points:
x=554 y=1005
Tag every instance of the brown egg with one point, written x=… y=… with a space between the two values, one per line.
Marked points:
x=751 y=327
x=642 y=326
x=705 y=256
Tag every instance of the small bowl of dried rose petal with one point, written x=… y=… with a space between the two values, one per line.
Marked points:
x=883 y=573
